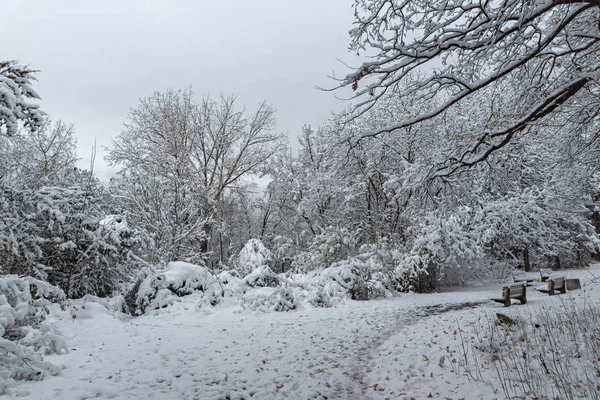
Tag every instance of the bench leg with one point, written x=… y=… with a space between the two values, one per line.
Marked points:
x=507 y=299
x=523 y=298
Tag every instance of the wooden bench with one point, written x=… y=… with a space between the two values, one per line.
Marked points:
x=523 y=277
x=545 y=274
x=573 y=284
x=509 y=292
x=554 y=285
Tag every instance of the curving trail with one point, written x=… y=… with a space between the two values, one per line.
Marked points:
x=348 y=352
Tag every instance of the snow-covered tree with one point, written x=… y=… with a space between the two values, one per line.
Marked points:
x=461 y=47
x=179 y=161
x=523 y=206
x=44 y=157
x=16 y=91
x=50 y=224
x=57 y=234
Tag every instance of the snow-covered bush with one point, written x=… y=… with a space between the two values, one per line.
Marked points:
x=331 y=245
x=57 y=234
x=352 y=278
x=212 y=296
x=178 y=279
x=358 y=278
x=320 y=299
x=229 y=279
x=440 y=243
x=252 y=256
x=24 y=338
x=279 y=300
x=262 y=277
x=284 y=251
x=89 y=306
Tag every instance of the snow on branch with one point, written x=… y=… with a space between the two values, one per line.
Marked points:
x=459 y=47
x=15 y=90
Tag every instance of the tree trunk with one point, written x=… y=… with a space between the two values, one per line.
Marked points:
x=204 y=242
x=221 y=246
x=596 y=219
x=526 y=264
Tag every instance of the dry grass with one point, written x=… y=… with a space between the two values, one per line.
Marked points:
x=550 y=353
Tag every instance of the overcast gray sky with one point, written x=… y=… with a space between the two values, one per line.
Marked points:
x=97 y=58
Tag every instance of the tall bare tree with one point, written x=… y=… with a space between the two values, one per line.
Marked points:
x=44 y=157
x=181 y=158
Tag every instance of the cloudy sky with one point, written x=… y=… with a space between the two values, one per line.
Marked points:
x=98 y=58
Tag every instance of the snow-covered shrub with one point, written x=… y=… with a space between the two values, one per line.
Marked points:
x=89 y=305
x=228 y=278
x=264 y=299
x=284 y=300
x=178 y=279
x=417 y=272
x=212 y=296
x=226 y=285
x=331 y=245
x=109 y=258
x=130 y=298
x=320 y=299
x=252 y=256
x=57 y=234
x=284 y=251
x=440 y=243
x=262 y=277
x=353 y=278
x=24 y=338
x=381 y=260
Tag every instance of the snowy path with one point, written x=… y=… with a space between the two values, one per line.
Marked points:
x=376 y=350
x=311 y=354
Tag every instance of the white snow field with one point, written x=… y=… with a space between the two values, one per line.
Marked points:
x=395 y=348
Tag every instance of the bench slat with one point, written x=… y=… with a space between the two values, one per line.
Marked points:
x=516 y=292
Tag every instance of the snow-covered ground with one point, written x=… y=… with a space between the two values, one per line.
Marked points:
x=400 y=347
